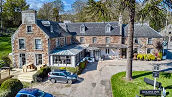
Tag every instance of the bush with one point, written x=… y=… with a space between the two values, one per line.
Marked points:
x=82 y=65
x=41 y=74
x=159 y=55
x=140 y=56
x=6 y=93
x=6 y=60
x=72 y=69
x=11 y=87
x=151 y=57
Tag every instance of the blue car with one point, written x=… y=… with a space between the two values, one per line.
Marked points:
x=32 y=92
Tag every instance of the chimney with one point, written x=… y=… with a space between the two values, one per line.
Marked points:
x=29 y=17
x=120 y=20
x=121 y=29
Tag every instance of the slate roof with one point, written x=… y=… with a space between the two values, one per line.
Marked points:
x=58 y=31
x=143 y=30
x=93 y=28
x=69 y=50
x=108 y=45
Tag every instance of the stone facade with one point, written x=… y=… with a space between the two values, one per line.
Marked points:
x=29 y=49
x=142 y=45
x=99 y=39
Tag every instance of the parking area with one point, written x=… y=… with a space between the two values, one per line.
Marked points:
x=95 y=79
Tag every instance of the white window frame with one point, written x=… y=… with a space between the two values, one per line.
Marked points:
x=95 y=40
x=51 y=29
x=57 y=42
x=27 y=29
x=151 y=41
x=24 y=44
x=83 y=40
x=151 y=49
x=106 y=40
x=135 y=40
x=82 y=30
x=107 y=51
x=36 y=59
x=108 y=28
x=35 y=44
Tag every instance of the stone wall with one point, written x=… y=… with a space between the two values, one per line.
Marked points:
x=30 y=50
x=143 y=44
x=100 y=39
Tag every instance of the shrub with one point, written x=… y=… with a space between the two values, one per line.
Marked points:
x=151 y=57
x=82 y=65
x=62 y=68
x=41 y=74
x=145 y=57
x=11 y=87
x=6 y=93
x=160 y=55
x=72 y=69
x=140 y=57
x=6 y=60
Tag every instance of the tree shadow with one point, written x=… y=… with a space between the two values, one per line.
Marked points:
x=168 y=87
x=141 y=75
x=166 y=75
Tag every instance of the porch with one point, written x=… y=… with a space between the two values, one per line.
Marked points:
x=107 y=51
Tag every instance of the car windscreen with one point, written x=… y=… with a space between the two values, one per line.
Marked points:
x=40 y=93
x=67 y=73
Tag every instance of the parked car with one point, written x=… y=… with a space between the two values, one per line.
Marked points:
x=90 y=59
x=32 y=92
x=62 y=76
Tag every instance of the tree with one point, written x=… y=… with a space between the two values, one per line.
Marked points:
x=128 y=5
x=153 y=13
x=58 y=7
x=6 y=61
x=12 y=12
x=45 y=12
x=51 y=10
x=98 y=11
x=78 y=7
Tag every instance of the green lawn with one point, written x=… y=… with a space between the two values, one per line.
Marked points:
x=122 y=88
x=5 y=46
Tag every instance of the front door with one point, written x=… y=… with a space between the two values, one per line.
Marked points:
x=22 y=59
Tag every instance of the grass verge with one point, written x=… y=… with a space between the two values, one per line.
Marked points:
x=5 y=46
x=122 y=88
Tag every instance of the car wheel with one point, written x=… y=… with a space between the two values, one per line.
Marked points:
x=69 y=81
x=53 y=80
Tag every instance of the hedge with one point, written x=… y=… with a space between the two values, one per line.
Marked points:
x=10 y=87
x=147 y=57
x=77 y=69
x=41 y=74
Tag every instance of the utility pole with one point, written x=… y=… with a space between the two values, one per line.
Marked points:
x=1 y=15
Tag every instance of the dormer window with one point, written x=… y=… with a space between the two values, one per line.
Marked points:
x=51 y=29
x=82 y=29
x=108 y=28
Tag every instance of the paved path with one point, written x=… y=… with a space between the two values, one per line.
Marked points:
x=95 y=80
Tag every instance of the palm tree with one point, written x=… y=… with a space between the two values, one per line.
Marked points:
x=130 y=6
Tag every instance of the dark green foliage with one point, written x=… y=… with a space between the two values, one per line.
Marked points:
x=11 y=87
x=41 y=74
x=6 y=61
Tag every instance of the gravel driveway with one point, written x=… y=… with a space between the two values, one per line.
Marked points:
x=95 y=80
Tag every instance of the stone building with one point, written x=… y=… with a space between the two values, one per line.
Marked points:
x=66 y=44
x=167 y=34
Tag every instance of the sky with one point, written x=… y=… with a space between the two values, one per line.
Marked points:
x=36 y=4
